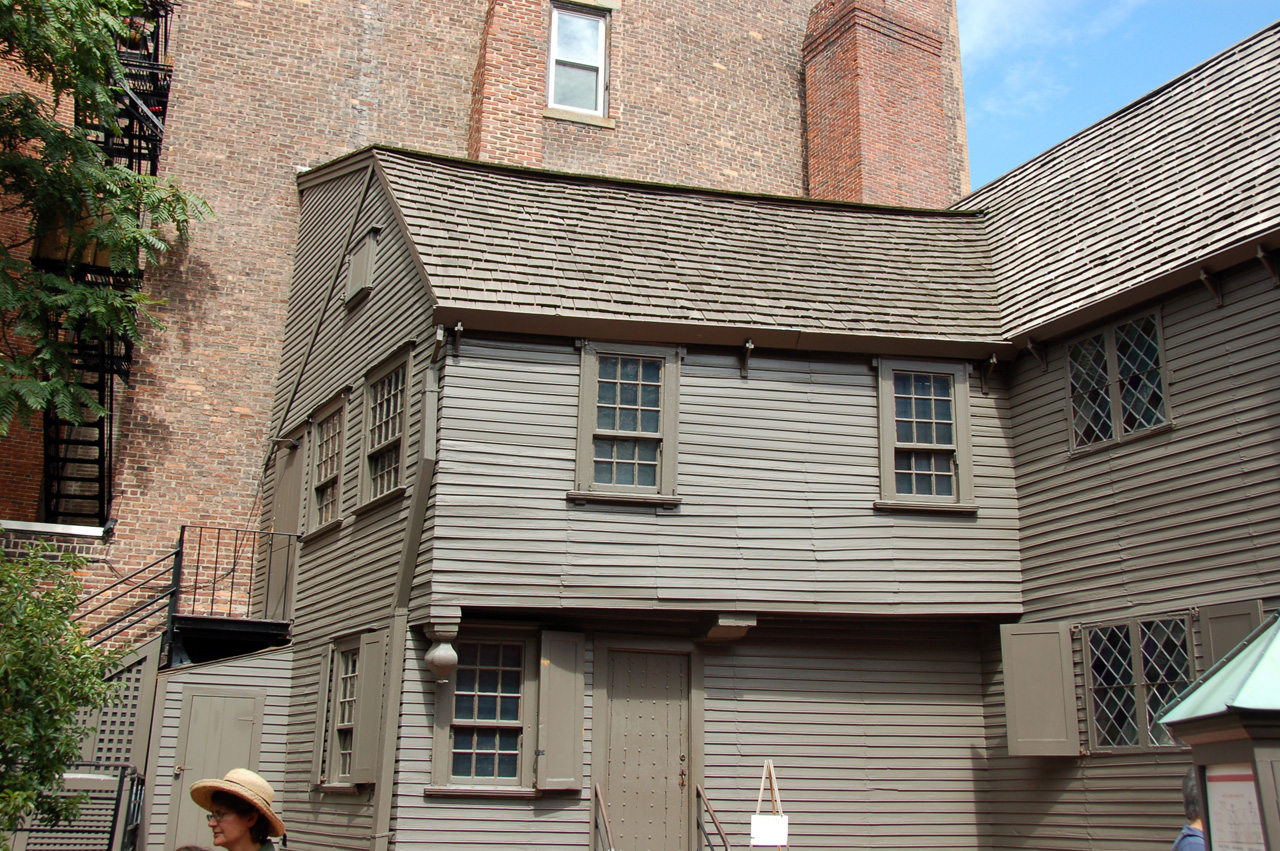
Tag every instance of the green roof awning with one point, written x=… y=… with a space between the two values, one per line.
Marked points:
x=1247 y=678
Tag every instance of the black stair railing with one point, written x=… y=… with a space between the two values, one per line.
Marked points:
x=212 y=572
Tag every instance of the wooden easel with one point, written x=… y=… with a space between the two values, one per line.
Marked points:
x=770 y=779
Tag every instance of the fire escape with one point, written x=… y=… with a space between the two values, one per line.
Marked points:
x=77 y=456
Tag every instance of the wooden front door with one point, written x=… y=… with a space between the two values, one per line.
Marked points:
x=221 y=729
x=648 y=763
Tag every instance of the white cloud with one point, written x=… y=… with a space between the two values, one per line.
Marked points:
x=1018 y=50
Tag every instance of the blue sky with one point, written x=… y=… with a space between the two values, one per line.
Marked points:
x=1038 y=71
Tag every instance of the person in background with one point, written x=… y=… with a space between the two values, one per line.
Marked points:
x=1192 y=836
x=240 y=812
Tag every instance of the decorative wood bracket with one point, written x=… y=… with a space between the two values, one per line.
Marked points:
x=1036 y=352
x=988 y=368
x=746 y=356
x=457 y=339
x=1212 y=283
x=1271 y=263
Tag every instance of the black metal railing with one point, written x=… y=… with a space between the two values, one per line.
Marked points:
x=212 y=572
x=705 y=809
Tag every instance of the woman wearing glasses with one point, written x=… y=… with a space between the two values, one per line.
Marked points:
x=240 y=813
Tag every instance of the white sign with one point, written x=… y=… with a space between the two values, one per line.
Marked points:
x=1235 y=823
x=768 y=830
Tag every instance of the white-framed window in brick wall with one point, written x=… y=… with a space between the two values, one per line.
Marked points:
x=385 y=396
x=577 y=65
x=925 y=452
x=1134 y=669
x=1116 y=381
x=348 y=721
x=627 y=416
x=511 y=715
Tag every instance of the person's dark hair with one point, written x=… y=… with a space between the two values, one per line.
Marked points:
x=260 y=830
x=1191 y=795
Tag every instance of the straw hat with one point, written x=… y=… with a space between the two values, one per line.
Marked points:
x=242 y=783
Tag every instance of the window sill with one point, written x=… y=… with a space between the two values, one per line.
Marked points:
x=57 y=529
x=480 y=792
x=1117 y=442
x=339 y=788
x=560 y=114
x=319 y=532
x=583 y=497
x=926 y=507
x=393 y=495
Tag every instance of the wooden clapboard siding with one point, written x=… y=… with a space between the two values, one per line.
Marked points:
x=876 y=728
x=778 y=473
x=269 y=671
x=1178 y=518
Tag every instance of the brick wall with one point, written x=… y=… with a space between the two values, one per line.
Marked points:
x=885 y=103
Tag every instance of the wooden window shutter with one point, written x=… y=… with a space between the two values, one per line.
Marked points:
x=1039 y=689
x=368 y=726
x=561 y=708
x=360 y=267
x=324 y=696
x=1223 y=627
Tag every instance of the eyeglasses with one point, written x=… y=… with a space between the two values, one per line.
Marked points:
x=218 y=815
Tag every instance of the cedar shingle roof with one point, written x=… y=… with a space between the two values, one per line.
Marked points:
x=541 y=244
x=1186 y=172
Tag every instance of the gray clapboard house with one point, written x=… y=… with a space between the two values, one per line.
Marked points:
x=609 y=492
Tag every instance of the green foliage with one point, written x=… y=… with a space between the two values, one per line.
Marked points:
x=48 y=672
x=56 y=179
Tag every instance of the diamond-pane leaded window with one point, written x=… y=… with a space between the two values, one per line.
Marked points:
x=487 y=723
x=1135 y=670
x=386 y=418
x=1116 y=382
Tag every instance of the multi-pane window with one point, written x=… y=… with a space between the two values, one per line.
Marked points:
x=487 y=711
x=328 y=458
x=924 y=460
x=628 y=402
x=1135 y=670
x=347 y=665
x=576 y=75
x=386 y=425
x=627 y=422
x=1116 y=382
x=924 y=451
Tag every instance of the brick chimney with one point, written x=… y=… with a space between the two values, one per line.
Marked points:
x=885 y=103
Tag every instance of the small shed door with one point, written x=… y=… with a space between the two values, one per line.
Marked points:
x=647 y=757
x=219 y=731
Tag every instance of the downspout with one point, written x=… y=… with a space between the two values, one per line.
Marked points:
x=399 y=633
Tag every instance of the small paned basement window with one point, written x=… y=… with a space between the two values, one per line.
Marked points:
x=1135 y=669
x=576 y=68
x=627 y=422
x=328 y=458
x=386 y=427
x=924 y=433
x=1116 y=381
x=509 y=719
x=348 y=723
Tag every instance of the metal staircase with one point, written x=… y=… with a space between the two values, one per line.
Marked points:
x=77 y=456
